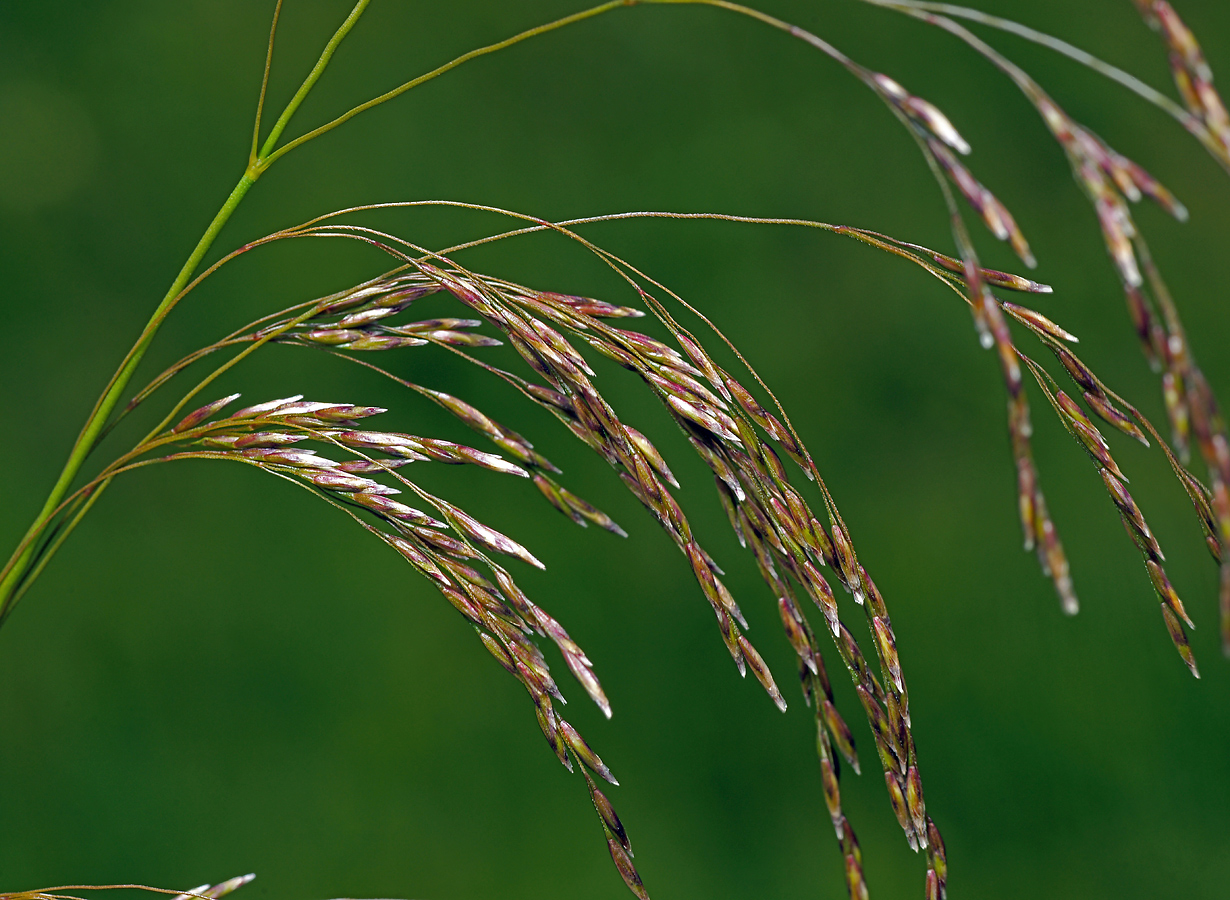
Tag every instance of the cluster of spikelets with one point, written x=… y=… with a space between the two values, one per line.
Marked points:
x=1112 y=182
x=745 y=444
x=331 y=449
x=729 y=429
x=1193 y=78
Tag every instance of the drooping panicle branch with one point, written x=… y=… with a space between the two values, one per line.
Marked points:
x=717 y=414
x=1111 y=181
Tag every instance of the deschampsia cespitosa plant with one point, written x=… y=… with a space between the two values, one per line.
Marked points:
x=769 y=485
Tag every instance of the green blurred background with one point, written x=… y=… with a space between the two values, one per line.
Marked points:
x=219 y=675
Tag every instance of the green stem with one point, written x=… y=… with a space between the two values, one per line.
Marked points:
x=14 y=573
x=50 y=551
x=115 y=389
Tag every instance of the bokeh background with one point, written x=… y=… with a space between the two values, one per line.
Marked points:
x=219 y=675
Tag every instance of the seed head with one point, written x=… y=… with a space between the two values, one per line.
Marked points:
x=887 y=645
x=761 y=671
x=337 y=481
x=623 y=863
x=832 y=793
x=922 y=112
x=896 y=797
x=1036 y=320
x=487 y=537
x=994 y=214
x=196 y=417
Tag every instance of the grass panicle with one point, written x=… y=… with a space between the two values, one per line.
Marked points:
x=791 y=526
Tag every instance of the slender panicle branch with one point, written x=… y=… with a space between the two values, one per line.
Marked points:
x=942 y=15
x=309 y=82
x=254 y=155
x=270 y=156
x=1084 y=57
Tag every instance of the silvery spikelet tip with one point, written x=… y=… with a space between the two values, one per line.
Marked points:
x=226 y=887
x=199 y=889
x=891 y=87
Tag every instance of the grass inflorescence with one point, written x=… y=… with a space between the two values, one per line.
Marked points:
x=727 y=414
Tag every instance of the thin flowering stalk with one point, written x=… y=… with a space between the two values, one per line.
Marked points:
x=1074 y=420
x=925 y=111
x=1109 y=179
x=943 y=267
x=204 y=892
x=263 y=159
x=1191 y=122
x=254 y=154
